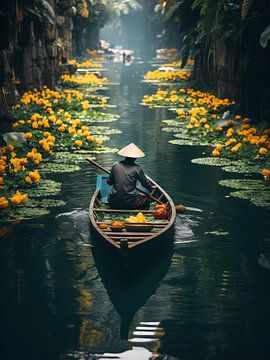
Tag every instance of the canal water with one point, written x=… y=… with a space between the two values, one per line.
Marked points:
x=209 y=296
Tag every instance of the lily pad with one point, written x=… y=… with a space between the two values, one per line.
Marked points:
x=171 y=129
x=44 y=203
x=212 y=161
x=171 y=122
x=242 y=167
x=68 y=158
x=104 y=130
x=98 y=150
x=26 y=213
x=45 y=188
x=229 y=165
x=245 y=184
x=256 y=197
x=190 y=140
x=56 y=167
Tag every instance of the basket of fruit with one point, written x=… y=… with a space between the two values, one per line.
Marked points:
x=117 y=226
x=138 y=223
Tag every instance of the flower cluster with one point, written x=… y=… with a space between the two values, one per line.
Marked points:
x=86 y=79
x=168 y=76
x=187 y=98
x=86 y=64
x=45 y=118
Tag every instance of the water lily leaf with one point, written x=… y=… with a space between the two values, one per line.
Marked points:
x=258 y=198
x=187 y=142
x=56 y=167
x=98 y=150
x=244 y=184
x=45 y=187
x=104 y=130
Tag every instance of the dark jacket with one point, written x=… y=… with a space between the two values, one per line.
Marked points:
x=123 y=178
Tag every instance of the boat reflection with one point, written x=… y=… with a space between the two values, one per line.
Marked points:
x=130 y=288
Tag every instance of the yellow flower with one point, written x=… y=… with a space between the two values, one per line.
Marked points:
x=10 y=147
x=34 y=175
x=236 y=148
x=219 y=129
x=90 y=138
x=98 y=141
x=71 y=131
x=18 y=198
x=3 y=202
x=35 y=125
x=230 y=132
x=262 y=151
x=28 y=180
x=78 y=143
x=215 y=153
x=28 y=135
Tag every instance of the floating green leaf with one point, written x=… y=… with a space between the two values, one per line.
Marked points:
x=257 y=198
x=98 y=150
x=104 y=130
x=55 y=167
x=45 y=188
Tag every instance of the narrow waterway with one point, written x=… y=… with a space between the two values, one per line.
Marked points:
x=210 y=296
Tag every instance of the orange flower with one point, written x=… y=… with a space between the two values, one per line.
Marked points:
x=262 y=151
x=28 y=180
x=10 y=147
x=3 y=202
x=215 y=153
x=28 y=135
x=78 y=143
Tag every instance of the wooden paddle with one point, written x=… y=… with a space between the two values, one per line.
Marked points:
x=179 y=208
x=107 y=171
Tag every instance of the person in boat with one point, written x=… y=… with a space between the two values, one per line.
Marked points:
x=123 y=178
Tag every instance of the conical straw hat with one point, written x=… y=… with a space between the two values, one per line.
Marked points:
x=131 y=151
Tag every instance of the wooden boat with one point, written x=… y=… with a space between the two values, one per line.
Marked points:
x=127 y=242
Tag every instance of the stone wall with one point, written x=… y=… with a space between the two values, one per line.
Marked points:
x=35 y=38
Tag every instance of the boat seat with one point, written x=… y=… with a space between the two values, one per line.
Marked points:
x=103 y=187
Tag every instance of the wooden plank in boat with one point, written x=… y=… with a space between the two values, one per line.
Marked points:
x=122 y=211
x=126 y=233
x=155 y=224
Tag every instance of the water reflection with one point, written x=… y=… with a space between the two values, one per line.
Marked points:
x=210 y=296
x=129 y=289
